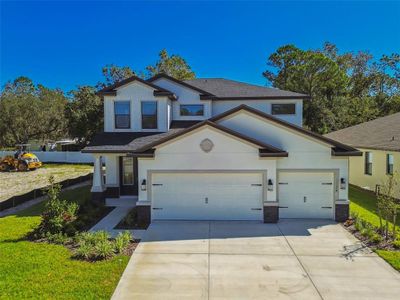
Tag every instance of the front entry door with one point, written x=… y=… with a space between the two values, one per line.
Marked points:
x=128 y=175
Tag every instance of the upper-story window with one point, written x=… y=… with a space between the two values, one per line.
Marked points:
x=149 y=115
x=192 y=110
x=283 y=109
x=122 y=114
x=389 y=164
x=368 y=163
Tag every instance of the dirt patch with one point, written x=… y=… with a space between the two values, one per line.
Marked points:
x=16 y=183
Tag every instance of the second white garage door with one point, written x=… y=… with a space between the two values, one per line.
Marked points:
x=306 y=195
x=207 y=196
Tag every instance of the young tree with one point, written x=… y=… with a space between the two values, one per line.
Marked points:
x=387 y=204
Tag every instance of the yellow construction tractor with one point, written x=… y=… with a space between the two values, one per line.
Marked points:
x=22 y=160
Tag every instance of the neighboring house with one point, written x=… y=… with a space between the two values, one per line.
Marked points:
x=379 y=140
x=216 y=149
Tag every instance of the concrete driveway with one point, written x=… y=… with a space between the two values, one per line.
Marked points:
x=296 y=259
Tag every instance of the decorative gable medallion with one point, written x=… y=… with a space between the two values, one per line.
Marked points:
x=206 y=145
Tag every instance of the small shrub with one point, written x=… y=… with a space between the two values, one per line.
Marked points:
x=85 y=237
x=122 y=241
x=101 y=236
x=94 y=245
x=104 y=249
x=365 y=232
x=376 y=238
x=85 y=251
x=359 y=225
x=396 y=244
x=354 y=215
x=57 y=238
x=57 y=213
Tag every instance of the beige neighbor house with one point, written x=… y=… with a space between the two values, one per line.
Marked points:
x=379 y=140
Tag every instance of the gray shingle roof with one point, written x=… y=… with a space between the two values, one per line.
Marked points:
x=140 y=143
x=230 y=89
x=124 y=141
x=382 y=133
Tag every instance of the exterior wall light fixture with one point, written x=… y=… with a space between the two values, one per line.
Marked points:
x=342 y=183
x=270 y=185
x=143 y=186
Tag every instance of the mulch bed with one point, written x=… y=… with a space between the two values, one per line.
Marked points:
x=131 y=248
x=130 y=222
x=383 y=245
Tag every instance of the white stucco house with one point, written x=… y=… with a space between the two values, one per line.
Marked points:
x=216 y=149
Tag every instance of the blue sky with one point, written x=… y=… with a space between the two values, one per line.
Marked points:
x=65 y=44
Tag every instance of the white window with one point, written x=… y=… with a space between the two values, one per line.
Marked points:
x=389 y=164
x=122 y=114
x=368 y=163
x=149 y=115
x=192 y=110
x=283 y=109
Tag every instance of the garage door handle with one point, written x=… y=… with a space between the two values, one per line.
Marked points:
x=157 y=208
x=256 y=209
x=327 y=183
x=326 y=206
x=156 y=184
x=283 y=206
x=283 y=183
x=256 y=184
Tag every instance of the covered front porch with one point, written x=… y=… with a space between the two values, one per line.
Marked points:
x=115 y=179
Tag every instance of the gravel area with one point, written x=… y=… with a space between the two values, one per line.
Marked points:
x=16 y=183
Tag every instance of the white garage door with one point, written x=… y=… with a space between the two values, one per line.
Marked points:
x=306 y=195
x=207 y=196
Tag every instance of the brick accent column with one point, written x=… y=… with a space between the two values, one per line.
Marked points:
x=112 y=192
x=341 y=211
x=97 y=184
x=143 y=214
x=98 y=197
x=271 y=212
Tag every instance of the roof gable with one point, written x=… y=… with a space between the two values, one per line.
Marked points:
x=158 y=91
x=265 y=150
x=179 y=82
x=338 y=149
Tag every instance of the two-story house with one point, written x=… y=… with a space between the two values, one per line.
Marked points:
x=216 y=149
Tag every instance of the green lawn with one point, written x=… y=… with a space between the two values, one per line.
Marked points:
x=364 y=204
x=392 y=257
x=39 y=270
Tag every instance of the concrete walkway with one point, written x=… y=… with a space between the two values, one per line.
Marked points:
x=294 y=259
x=13 y=210
x=111 y=220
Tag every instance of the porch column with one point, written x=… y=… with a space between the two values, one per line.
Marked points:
x=112 y=176
x=98 y=185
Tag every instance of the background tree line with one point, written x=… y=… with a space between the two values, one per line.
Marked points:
x=345 y=89
x=34 y=112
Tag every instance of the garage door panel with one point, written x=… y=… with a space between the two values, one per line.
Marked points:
x=306 y=195
x=207 y=196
